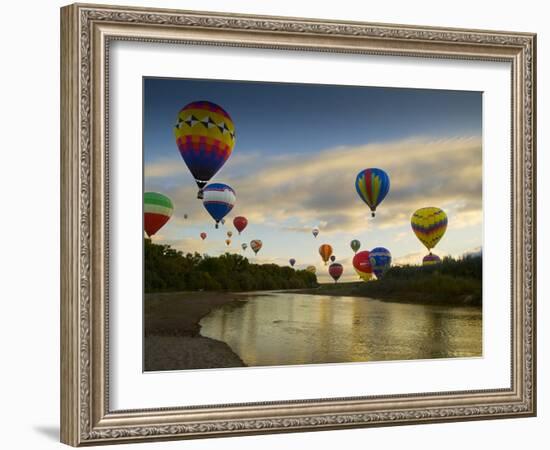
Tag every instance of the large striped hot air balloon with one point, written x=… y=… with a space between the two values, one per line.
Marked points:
x=380 y=260
x=205 y=136
x=325 y=251
x=157 y=210
x=355 y=245
x=218 y=200
x=429 y=225
x=240 y=223
x=256 y=245
x=362 y=265
x=335 y=270
x=372 y=185
x=430 y=259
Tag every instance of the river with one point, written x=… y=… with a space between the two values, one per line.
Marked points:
x=282 y=328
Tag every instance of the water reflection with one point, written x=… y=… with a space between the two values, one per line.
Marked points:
x=285 y=328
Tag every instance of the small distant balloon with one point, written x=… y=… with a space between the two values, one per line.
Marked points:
x=311 y=269
x=157 y=210
x=292 y=261
x=185 y=216
x=229 y=234
x=325 y=251
x=333 y=258
x=203 y=235
x=218 y=199
x=372 y=185
x=380 y=260
x=240 y=223
x=244 y=246
x=355 y=245
x=256 y=245
x=430 y=260
x=228 y=242
x=315 y=232
x=362 y=265
x=335 y=270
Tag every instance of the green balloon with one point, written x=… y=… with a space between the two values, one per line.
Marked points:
x=355 y=245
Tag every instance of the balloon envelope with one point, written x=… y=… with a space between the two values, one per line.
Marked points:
x=157 y=210
x=311 y=269
x=372 y=185
x=362 y=265
x=256 y=245
x=315 y=231
x=355 y=245
x=218 y=200
x=380 y=260
x=335 y=270
x=325 y=251
x=205 y=136
x=229 y=233
x=430 y=259
x=228 y=242
x=240 y=223
x=292 y=261
x=244 y=245
x=429 y=225
x=203 y=235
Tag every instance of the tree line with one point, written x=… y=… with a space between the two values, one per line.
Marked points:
x=169 y=270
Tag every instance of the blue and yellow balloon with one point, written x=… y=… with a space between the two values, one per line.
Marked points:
x=372 y=185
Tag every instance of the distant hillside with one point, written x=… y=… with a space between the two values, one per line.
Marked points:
x=170 y=270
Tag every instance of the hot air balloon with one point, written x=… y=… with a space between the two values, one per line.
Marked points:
x=333 y=258
x=315 y=232
x=244 y=245
x=240 y=223
x=218 y=200
x=429 y=225
x=185 y=216
x=292 y=261
x=205 y=136
x=372 y=185
x=380 y=260
x=222 y=221
x=229 y=234
x=311 y=269
x=430 y=259
x=228 y=242
x=362 y=265
x=355 y=245
x=157 y=210
x=256 y=245
x=325 y=251
x=335 y=270
x=203 y=235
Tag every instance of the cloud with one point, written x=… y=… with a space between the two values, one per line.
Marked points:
x=297 y=192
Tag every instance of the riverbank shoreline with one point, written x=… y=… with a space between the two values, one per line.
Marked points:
x=357 y=290
x=172 y=339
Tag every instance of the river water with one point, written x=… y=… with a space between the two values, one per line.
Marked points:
x=283 y=328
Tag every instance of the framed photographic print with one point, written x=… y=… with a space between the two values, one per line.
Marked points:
x=276 y=225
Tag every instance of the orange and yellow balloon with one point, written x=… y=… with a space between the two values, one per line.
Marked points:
x=325 y=251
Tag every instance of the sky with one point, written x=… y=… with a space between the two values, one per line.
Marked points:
x=298 y=150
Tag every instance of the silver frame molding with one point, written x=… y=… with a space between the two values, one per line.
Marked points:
x=86 y=32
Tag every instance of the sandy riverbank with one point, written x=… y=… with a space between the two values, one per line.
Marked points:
x=172 y=339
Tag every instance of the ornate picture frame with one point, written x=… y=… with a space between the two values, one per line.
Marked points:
x=87 y=32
